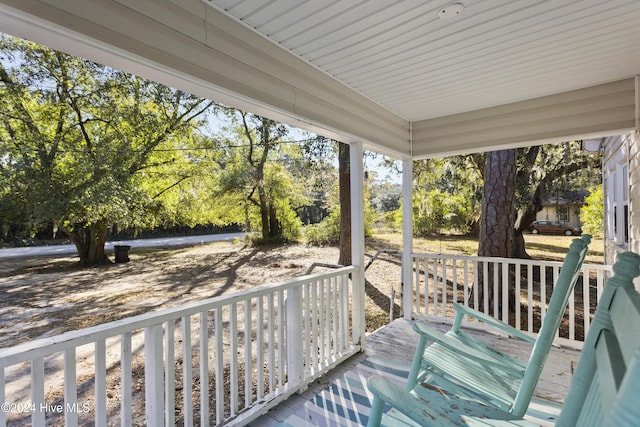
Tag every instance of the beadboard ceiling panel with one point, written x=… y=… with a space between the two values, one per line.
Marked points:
x=401 y=55
x=393 y=74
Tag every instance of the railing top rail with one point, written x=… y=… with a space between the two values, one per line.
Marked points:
x=505 y=260
x=45 y=346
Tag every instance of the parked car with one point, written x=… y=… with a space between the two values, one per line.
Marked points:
x=554 y=227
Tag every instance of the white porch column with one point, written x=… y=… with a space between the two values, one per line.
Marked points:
x=407 y=237
x=357 y=239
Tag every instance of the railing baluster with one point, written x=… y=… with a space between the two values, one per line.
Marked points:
x=170 y=373
x=530 y=297
x=260 y=348
x=327 y=326
x=556 y=273
x=126 y=399
x=219 y=359
x=496 y=289
x=572 y=312
x=204 y=368
x=344 y=294
x=321 y=320
x=586 y=299
x=465 y=286
x=436 y=280
x=485 y=286
x=282 y=343
x=295 y=358
x=444 y=288
x=306 y=326
x=187 y=372
x=233 y=368
x=37 y=392
x=505 y=292
x=3 y=399
x=70 y=388
x=517 y=302
x=153 y=376
x=272 y=340
x=454 y=280
x=476 y=285
x=101 y=383
x=543 y=292
x=335 y=315
x=314 y=325
x=248 y=370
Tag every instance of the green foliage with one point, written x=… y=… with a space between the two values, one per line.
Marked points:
x=592 y=213
x=326 y=232
x=262 y=173
x=87 y=147
x=446 y=195
x=436 y=211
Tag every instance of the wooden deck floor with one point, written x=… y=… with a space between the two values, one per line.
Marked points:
x=396 y=343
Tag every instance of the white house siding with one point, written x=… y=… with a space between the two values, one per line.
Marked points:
x=550 y=213
x=621 y=176
x=634 y=192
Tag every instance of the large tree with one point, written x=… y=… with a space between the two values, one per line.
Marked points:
x=498 y=209
x=256 y=176
x=86 y=146
x=344 y=183
x=546 y=170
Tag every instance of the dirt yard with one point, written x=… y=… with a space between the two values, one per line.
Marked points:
x=46 y=296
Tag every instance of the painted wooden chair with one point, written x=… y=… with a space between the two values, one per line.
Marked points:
x=604 y=390
x=457 y=362
x=463 y=365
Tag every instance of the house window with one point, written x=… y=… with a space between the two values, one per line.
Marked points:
x=562 y=213
x=618 y=203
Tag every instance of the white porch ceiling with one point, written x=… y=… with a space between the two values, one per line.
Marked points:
x=388 y=73
x=402 y=56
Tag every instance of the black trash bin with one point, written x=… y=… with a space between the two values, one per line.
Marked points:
x=121 y=253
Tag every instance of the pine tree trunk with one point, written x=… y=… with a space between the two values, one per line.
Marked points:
x=344 y=175
x=498 y=215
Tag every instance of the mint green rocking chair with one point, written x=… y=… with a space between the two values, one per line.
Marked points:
x=604 y=390
x=460 y=364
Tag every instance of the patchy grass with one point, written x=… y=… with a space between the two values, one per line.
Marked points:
x=539 y=246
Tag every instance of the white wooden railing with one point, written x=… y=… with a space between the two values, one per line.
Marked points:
x=226 y=359
x=440 y=280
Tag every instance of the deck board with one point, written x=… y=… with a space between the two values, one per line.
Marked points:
x=396 y=344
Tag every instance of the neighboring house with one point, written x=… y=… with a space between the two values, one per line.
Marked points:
x=621 y=176
x=563 y=207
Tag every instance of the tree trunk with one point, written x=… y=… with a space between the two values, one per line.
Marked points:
x=275 y=229
x=89 y=242
x=344 y=175
x=498 y=214
x=264 y=213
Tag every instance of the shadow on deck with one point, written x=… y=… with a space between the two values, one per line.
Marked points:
x=341 y=398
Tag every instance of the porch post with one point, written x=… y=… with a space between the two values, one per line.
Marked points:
x=357 y=240
x=407 y=237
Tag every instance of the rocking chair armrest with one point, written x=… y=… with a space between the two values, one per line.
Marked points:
x=384 y=391
x=455 y=345
x=462 y=310
x=433 y=406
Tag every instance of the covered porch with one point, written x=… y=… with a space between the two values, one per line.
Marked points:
x=257 y=350
x=341 y=398
x=505 y=75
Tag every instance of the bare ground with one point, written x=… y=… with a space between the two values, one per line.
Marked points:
x=46 y=296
